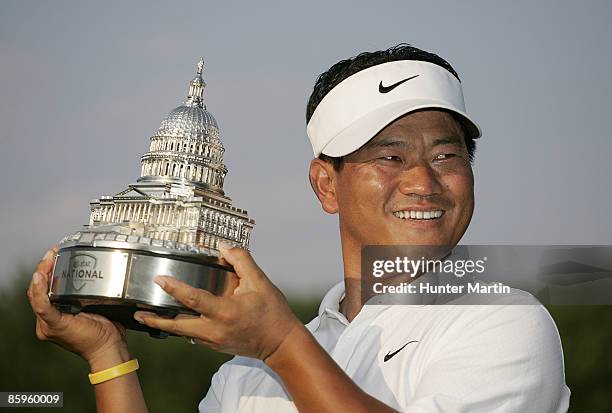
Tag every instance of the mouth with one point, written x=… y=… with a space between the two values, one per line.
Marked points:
x=419 y=215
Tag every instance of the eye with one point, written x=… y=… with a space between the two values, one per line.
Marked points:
x=443 y=156
x=391 y=158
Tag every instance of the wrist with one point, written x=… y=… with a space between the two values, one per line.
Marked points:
x=107 y=358
x=285 y=352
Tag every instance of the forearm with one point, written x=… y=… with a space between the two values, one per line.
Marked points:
x=314 y=380
x=121 y=394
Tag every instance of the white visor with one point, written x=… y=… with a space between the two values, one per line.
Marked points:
x=363 y=104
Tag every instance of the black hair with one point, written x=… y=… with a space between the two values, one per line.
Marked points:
x=348 y=67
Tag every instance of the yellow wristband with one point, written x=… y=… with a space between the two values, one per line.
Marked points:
x=113 y=372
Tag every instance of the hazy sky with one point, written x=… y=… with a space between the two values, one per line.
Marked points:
x=85 y=84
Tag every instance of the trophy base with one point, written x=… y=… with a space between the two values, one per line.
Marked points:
x=121 y=311
x=115 y=279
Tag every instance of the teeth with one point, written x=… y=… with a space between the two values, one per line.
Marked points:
x=419 y=214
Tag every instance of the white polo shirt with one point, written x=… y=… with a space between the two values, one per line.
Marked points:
x=421 y=358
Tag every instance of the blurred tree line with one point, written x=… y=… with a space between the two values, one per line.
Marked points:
x=176 y=375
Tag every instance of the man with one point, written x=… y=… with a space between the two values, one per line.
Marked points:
x=393 y=147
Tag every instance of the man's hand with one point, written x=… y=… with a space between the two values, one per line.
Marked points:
x=256 y=321
x=91 y=336
x=251 y=322
x=99 y=341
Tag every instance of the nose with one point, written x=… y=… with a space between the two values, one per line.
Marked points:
x=420 y=180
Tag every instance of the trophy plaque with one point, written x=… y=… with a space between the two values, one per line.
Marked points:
x=169 y=222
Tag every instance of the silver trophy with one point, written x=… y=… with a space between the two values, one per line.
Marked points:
x=167 y=223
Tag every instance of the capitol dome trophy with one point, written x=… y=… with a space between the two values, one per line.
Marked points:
x=167 y=223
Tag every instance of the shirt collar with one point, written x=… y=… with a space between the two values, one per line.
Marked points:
x=330 y=305
x=332 y=299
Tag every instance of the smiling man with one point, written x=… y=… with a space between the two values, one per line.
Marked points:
x=393 y=149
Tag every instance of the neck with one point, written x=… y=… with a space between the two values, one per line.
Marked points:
x=351 y=256
x=351 y=304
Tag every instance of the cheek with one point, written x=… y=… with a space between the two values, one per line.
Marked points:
x=461 y=189
x=363 y=193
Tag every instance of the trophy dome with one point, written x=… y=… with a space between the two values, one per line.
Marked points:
x=190 y=121
x=187 y=147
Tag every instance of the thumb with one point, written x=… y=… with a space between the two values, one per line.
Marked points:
x=241 y=260
x=39 y=300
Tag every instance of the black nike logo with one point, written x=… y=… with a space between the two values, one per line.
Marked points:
x=387 y=89
x=389 y=354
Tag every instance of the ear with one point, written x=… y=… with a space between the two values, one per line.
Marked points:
x=323 y=182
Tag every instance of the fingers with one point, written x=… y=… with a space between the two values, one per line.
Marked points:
x=45 y=265
x=182 y=326
x=39 y=300
x=195 y=298
x=241 y=260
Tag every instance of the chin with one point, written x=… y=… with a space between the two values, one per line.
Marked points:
x=424 y=242
x=422 y=238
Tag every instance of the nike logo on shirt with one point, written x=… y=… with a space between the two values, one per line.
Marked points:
x=389 y=354
x=387 y=89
